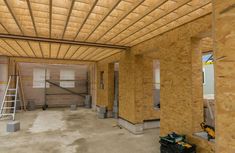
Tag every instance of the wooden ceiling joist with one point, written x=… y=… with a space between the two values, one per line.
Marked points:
x=89 y=29
x=145 y=26
x=14 y=17
x=83 y=23
x=149 y=11
x=21 y=47
x=111 y=10
x=137 y=5
x=173 y=20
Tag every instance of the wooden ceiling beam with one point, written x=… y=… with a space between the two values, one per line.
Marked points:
x=110 y=11
x=90 y=54
x=11 y=47
x=13 y=15
x=149 y=12
x=65 y=27
x=34 y=25
x=31 y=16
x=7 y=51
x=50 y=17
x=68 y=17
x=101 y=22
x=80 y=28
x=4 y=28
x=51 y=40
x=172 y=20
x=21 y=47
x=156 y=20
x=130 y=11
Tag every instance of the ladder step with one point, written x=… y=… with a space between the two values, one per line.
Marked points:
x=11 y=95
x=11 y=89
x=8 y=107
x=10 y=101
x=6 y=114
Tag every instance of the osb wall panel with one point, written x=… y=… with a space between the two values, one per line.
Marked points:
x=93 y=83
x=127 y=107
x=110 y=86
x=144 y=90
x=224 y=21
x=203 y=146
x=137 y=70
x=102 y=93
x=105 y=97
x=174 y=49
x=197 y=86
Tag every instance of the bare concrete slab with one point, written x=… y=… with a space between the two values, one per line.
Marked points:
x=79 y=131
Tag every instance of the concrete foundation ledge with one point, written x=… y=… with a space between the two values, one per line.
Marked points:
x=151 y=124
x=138 y=128
x=133 y=128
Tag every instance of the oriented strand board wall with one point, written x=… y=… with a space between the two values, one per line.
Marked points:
x=135 y=87
x=144 y=90
x=174 y=50
x=105 y=97
x=224 y=22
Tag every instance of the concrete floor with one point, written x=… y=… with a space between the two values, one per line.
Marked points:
x=80 y=131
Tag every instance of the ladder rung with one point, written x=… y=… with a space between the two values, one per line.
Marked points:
x=11 y=95
x=8 y=107
x=9 y=101
x=4 y=114
x=12 y=89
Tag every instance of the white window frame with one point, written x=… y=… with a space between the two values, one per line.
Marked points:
x=39 y=77
x=67 y=74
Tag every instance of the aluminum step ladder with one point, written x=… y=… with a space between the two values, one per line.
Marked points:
x=8 y=107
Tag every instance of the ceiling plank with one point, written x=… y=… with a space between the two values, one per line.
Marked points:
x=66 y=24
x=31 y=49
x=185 y=3
x=4 y=28
x=21 y=48
x=110 y=11
x=68 y=17
x=120 y=19
x=31 y=16
x=152 y=30
x=84 y=21
x=102 y=21
x=50 y=19
x=7 y=51
x=11 y=47
x=14 y=17
x=149 y=12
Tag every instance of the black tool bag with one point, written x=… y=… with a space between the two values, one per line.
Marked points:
x=170 y=144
